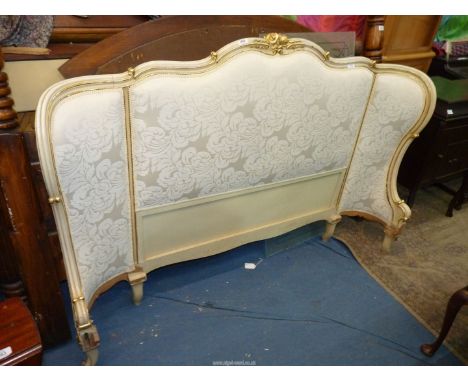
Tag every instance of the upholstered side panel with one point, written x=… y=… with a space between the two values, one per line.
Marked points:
x=88 y=142
x=254 y=120
x=396 y=104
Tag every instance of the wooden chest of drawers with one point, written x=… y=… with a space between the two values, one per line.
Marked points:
x=441 y=152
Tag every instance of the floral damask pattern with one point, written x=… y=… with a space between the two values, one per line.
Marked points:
x=395 y=105
x=255 y=120
x=91 y=160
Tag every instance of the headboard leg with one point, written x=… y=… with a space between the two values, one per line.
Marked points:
x=89 y=340
x=391 y=235
x=91 y=357
x=330 y=227
x=136 y=280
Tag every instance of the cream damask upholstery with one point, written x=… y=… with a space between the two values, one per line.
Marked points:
x=246 y=124
x=397 y=103
x=178 y=160
x=92 y=169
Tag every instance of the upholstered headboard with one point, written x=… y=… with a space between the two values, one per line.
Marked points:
x=173 y=161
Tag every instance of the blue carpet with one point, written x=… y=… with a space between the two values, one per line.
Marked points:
x=308 y=305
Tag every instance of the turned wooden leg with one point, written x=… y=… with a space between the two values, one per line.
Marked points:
x=458 y=299
x=137 y=293
x=136 y=280
x=330 y=227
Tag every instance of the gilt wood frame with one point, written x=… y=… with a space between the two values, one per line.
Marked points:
x=333 y=182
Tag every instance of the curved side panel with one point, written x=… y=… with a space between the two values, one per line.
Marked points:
x=88 y=152
x=400 y=106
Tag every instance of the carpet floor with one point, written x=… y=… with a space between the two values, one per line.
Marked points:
x=427 y=264
x=312 y=304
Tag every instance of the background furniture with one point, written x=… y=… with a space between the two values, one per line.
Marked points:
x=20 y=342
x=459 y=196
x=441 y=152
x=30 y=258
x=27 y=268
x=74 y=34
x=458 y=299
x=407 y=40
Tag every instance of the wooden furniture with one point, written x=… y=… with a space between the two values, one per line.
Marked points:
x=74 y=34
x=31 y=262
x=459 y=196
x=26 y=266
x=177 y=160
x=458 y=299
x=441 y=153
x=405 y=40
x=179 y=38
x=20 y=342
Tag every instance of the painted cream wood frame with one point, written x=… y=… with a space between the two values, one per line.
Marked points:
x=264 y=211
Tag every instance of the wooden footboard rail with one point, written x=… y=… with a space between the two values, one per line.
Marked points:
x=173 y=161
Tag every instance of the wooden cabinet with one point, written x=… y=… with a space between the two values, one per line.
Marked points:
x=408 y=40
x=441 y=152
x=20 y=343
x=27 y=265
x=405 y=40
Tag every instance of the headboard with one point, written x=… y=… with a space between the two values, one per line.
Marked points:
x=173 y=160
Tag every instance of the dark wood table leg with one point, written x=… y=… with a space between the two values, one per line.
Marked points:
x=461 y=193
x=458 y=299
x=458 y=196
x=411 y=197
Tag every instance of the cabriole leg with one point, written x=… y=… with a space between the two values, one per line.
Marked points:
x=458 y=299
x=136 y=280
x=330 y=227
x=89 y=340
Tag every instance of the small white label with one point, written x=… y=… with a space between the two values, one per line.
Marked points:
x=381 y=28
x=242 y=42
x=5 y=352
x=350 y=66
x=449 y=111
x=252 y=265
